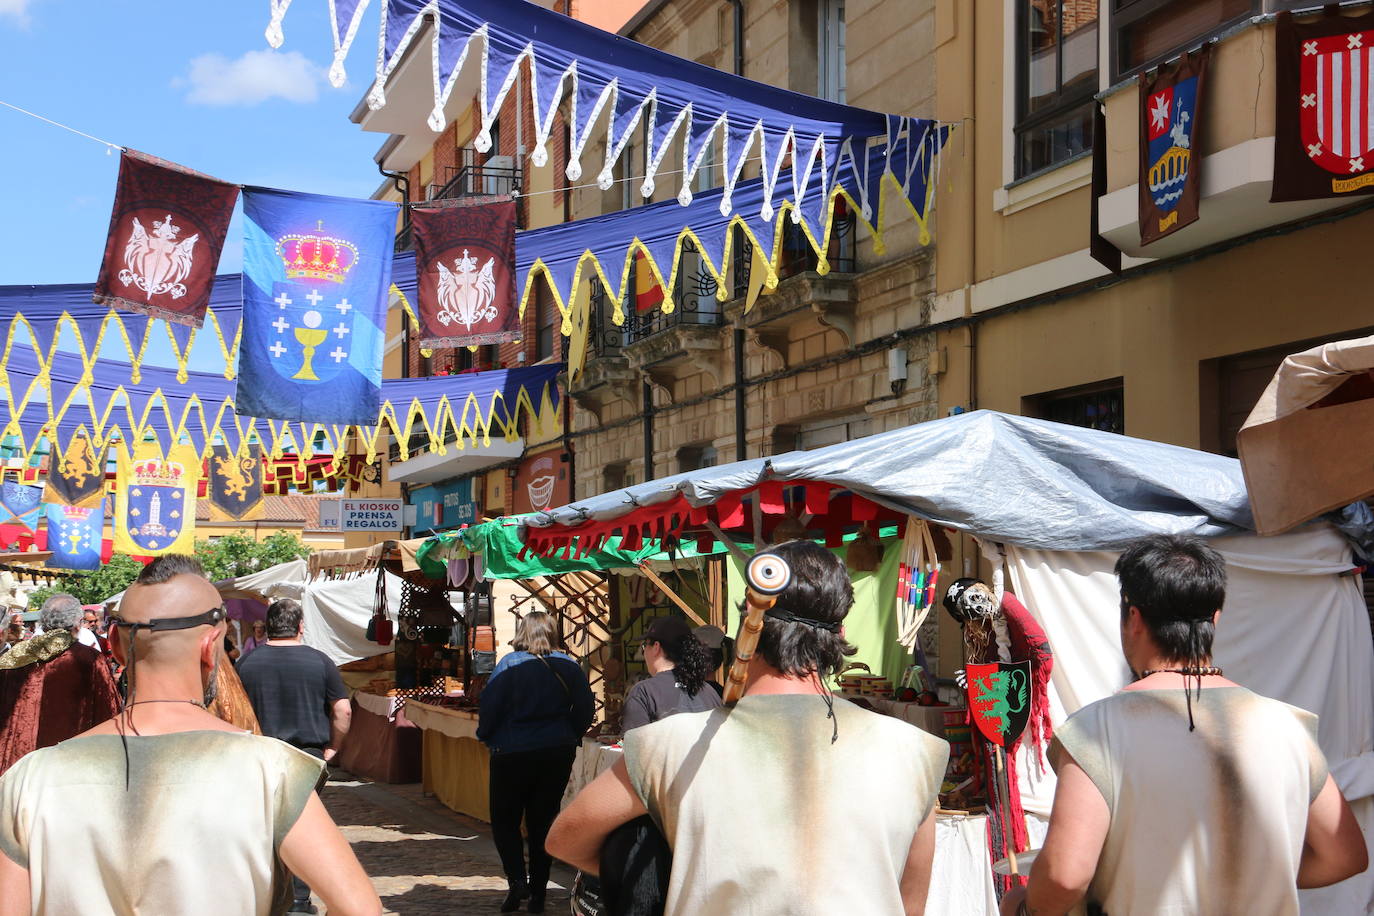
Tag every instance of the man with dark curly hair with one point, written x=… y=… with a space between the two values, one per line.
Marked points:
x=678 y=666
x=792 y=801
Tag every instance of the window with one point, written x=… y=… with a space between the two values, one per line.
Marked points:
x=495 y=139
x=830 y=64
x=1098 y=406
x=546 y=322
x=1056 y=57
x=695 y=292
x=706 y=173
x=696 y=457
x=786 y=438
x=616 y=476
x=1149 y=32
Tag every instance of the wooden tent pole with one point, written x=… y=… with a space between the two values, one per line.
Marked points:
x=672 y=595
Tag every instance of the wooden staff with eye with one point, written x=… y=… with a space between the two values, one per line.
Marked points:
x=766 y=575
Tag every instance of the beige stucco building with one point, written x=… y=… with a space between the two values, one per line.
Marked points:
x=1177 y=346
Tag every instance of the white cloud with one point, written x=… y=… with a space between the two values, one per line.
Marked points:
x=19 y=9
x=255 y=77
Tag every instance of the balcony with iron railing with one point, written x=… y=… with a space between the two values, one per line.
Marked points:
x=473 y=178
x=803 y=294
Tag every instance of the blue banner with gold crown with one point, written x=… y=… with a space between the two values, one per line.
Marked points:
x=316 y=274
x=74 y=535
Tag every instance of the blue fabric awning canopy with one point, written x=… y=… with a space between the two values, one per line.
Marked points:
x=676 y=104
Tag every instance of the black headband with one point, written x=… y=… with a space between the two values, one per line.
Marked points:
x=209 y=618
x=788 y=617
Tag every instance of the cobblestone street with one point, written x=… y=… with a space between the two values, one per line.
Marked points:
x=423 y=858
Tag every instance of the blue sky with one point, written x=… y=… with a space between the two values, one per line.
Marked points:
x=188 y=80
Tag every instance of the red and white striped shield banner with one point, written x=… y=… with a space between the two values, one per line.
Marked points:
x=1337 y=78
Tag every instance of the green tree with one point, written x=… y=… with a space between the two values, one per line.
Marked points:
x=110 y=579
x=239 y=554
x=227 y=557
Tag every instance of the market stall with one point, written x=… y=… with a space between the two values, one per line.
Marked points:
x=1051 y=506
x=383 y=744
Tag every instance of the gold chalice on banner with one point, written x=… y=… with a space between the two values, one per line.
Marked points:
x=309 y=338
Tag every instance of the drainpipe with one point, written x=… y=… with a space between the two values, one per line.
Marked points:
x=738 y=6
x=741 y=402
x=568 y=453
x=648 y=432
x=402 y=182
x=972 y=142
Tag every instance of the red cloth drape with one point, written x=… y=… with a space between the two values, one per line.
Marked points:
x=47 y=702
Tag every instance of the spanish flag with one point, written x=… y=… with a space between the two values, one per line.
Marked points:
x=648 y=294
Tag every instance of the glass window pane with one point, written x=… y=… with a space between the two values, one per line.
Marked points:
x=1056 y=140
x=1080 y=45
x=1042 y=54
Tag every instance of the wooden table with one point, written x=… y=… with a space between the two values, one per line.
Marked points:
x=593 y=759
x=457 y=767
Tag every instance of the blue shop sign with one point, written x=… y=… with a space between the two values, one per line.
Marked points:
x=445 y=505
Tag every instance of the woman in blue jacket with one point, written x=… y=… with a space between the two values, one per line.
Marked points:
x=534 y=711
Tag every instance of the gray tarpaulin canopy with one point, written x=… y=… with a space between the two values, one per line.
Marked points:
x=1011 y=479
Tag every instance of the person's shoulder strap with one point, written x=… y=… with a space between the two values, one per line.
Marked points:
x=562 y=683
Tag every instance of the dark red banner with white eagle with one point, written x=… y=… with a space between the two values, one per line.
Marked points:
x=1324 y=117
x=465 y=265
x=166 y=234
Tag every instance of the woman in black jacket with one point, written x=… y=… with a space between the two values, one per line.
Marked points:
x=533 y=713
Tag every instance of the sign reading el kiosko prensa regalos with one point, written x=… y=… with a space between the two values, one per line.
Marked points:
x=371 y=514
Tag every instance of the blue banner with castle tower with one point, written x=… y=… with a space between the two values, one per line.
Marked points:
x=316 y=275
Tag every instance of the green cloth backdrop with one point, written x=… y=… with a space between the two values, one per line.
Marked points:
x=871 y=625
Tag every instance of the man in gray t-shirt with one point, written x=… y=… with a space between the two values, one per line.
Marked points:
x=298 y=696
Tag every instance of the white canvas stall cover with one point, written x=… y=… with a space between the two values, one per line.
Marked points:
x=285 y=580
x=1293 y=628
x=336 y=611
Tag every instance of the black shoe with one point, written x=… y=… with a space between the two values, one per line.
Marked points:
x=302 y=906
x=514 y=896
x=536 y=904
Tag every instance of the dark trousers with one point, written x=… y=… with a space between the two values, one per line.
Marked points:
x=528 y=785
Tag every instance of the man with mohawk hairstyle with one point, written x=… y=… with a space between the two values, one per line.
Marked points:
x=152 y=781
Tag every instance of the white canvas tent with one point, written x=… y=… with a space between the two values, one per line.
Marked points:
x=1061 y=501
x=336 y=610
